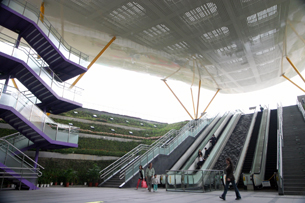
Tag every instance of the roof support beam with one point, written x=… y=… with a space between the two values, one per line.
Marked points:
x=210 y=103
x=94 y=60
x=196 y=116
x=295 y=68
x=164 y=80
x=15 y=84
x=292 y=82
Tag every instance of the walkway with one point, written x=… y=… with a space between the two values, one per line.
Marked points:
x=105 y=195
x=95 y=122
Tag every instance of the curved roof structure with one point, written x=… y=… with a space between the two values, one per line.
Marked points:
x=235 y=45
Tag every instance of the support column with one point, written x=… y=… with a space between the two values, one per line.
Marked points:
x=196 y=116
x=36 y=157
x=6 y=83
x=18 y=41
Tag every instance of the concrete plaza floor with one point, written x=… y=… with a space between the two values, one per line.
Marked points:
x=99 y=195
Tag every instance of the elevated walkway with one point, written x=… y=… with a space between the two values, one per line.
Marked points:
x=27 y=21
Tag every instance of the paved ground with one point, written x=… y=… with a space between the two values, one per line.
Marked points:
x=98 y=195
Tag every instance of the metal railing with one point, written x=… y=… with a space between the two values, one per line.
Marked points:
x=183 y=180
x=301 y=108
x=190 y=129
x=10 y=96
x=18 y=140
x=16 y=164
x=31 y=12
x=280 y=144
x=40 y=67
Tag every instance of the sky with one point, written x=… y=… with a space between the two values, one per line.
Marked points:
x=130 y=93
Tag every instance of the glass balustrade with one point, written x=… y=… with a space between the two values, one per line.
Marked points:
x=40 y=67
x=10 y=96
x=33 y=13
x=193 y=180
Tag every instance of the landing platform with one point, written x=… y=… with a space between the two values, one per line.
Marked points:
x=104 y=195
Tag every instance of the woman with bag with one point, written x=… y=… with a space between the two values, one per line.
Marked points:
x=141 y=176
x=230 y=178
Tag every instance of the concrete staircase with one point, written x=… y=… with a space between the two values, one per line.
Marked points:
x=293 y=151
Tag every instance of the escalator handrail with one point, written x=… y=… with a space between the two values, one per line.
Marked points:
x=243 y=154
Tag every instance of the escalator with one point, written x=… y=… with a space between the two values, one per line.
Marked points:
x=235 y=143
x=251 y=149
x=272 y=149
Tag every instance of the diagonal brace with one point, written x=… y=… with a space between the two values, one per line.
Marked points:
x=164 y=80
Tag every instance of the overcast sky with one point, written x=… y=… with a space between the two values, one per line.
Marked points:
x=124 y=92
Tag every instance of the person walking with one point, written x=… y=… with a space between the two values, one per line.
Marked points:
x=155 y=183
x=150 y=172
x=230 y=178
x=141 y=175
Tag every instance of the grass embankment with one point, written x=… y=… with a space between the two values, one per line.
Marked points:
x=120 y=120
x=102 y=147
x=100 y=129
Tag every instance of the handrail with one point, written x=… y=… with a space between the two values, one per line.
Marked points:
x=279 y=162
x=12 y=97
x=26 y=9
x=214 y=131
x=301 y=109
x=260 y=161
x=242 y=155
x=25 y=53
x=20 y=152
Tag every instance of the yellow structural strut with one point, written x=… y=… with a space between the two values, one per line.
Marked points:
x=15 y=84
x=210 y=102
x=295 y=68
x=301 y=38
x=292 y=82
x=41 y=12
x=94 y=60
x=177 y=98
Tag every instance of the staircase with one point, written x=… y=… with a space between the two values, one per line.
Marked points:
x=54 y=95
x=41 y=66
x=293 y=151
x=272 y=149
x=18 y=166
x=27 y=21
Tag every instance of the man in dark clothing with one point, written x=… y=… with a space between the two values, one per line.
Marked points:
x=207 y=153
x=213 y=139
x=261 y=108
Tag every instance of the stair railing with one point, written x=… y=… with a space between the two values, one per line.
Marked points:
x=301 y=108
x=16 y=164
x=10 y=96
x=40 y=67
x=33 y=13
x=280 y=144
